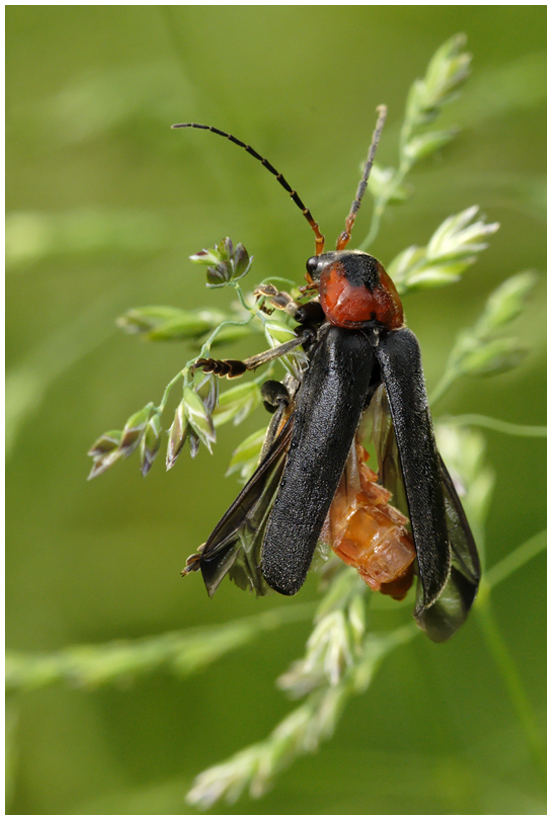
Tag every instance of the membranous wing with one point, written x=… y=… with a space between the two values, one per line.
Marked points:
x=378 y=424
x=411 y=468
x=450 y=610
x=234 y=546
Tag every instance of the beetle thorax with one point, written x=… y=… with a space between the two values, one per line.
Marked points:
x=355 y=290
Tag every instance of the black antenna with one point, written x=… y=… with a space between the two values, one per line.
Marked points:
x=319 y=238
x=345 y=236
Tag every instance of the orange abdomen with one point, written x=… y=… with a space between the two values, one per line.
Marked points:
x=369 y=534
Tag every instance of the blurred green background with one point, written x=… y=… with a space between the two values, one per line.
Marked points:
x=105 y=204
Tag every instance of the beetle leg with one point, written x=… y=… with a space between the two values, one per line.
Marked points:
x=274 y=395
x=232 y=368
x=278 y=299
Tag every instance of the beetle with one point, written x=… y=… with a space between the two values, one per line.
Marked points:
x=312 y=483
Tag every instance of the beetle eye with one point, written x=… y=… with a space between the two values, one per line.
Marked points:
x=312 y=264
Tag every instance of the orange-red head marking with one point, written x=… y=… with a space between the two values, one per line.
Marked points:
x=355 y=290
